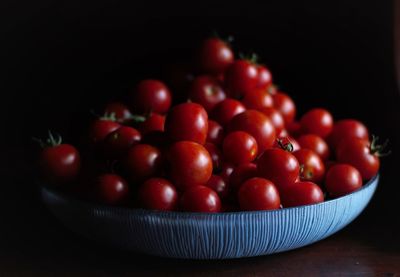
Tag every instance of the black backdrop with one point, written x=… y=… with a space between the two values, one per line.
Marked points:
x=61 y=58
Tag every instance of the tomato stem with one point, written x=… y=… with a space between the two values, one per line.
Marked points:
x=378 y=149
x=288 y=146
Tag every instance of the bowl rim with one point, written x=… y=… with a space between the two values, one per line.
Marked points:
x=140 y=211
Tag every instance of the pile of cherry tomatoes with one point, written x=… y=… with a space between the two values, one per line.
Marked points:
x=234 y=144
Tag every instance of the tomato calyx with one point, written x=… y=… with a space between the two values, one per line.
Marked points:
x=252 y=58
x=228 y=40
x=305 y=174
x=52 y=140
x=285 y=144
x=379 y=149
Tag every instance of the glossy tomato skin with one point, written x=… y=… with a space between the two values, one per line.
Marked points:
x=239 y=147
x=206 y=91
x=118 y=142
x=316 y=144
x=241 y=77
x=214 y=56
x=258 y=99
x=256 y=124
x=158 y=194
x=317 y=121
x=226 y=171
x=226 y=110
x=187 y=121
x=100 y=128
x=264 y=77
x=285 y=105
x=218 y=184
x=313 y=168
x=276 y=118
x=152 y=96
x=119 y=110
x=302 y=193
x=215 y=154
x=215 y=134
x=346 y=129
x=357 y=152
x=279 y=166
x=200 y=199
x=60 y=164
x=240 y=174
x=342 y=179
x=258 y=194
x=111 y=189
x=153 y=123
x=142 y=162
x=190 y=164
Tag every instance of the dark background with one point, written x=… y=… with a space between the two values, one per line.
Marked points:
x=60 y=59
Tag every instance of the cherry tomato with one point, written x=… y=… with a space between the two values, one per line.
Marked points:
x=240 y=174
x=190 y=164
x=256 y=124
x=294 y=128
x=276 y=118
x=240 y=147
x=241 y=77
x=283 y=133
x=59 y=163
x=226 y=110
x=258 y=99
x=316 y=144
x=117 y=143
x=264 y=77
x=158 y=194
x=302 y=193
x=215 y=154
x=111 y=189
x=361 y=154
x=154 y=122
x=285 y=105
x=207 y=92
x=279 y=166
x=152 y=96
x=347 y=129
x=142 y=162
x=217 y=184
x=187 y=121
x=120 y=111
x=342 y=179
x=100 y=128
x=200 y=199
x=226 y=171
x=313 y=168
x=215 y=56
x=215 y=133
x=258 y=194
x=317 y=121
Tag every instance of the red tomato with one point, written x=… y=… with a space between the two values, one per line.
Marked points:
x=279 y=166
x=258 y=99
x=215 y=56
x=347 y=129
x=285 y=105
x=313 y=168
x=360 y=154
x=240 y=147
x=317 y=121
x=207 y=92
x=100 y=128
x=158 y=194
x=215 y=154
x=187 y=121
x=264 y=77
x=256 y=124
x=294 y=128
x=217 y=184
x=215 y=133
x=258 y=194
x=111 y=189
x=117 y=143
x=342 y=179
x=226 y=171
x=154 y=122
x=152 y=96
x=190 y=164
x=316 y=144
x=119 y=110
x=240 y=174
x=142 y=162
x=302 y=193
x=200 y=199
x=276 y=118
x=226 y=110
x=241 y=77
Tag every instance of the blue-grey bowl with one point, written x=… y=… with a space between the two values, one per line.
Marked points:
x=209 y=236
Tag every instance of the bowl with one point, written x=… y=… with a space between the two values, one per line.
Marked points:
x=208 y=236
